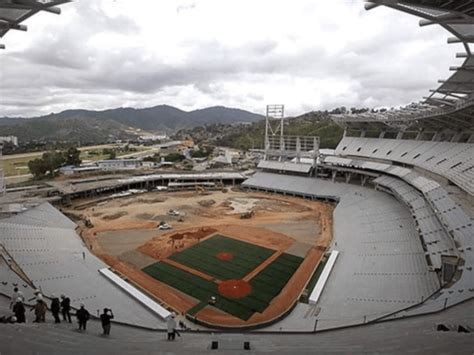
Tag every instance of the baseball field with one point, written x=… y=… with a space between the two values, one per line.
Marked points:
x=213 y=267
x=227 y=262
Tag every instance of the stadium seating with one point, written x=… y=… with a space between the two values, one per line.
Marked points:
x=452 y=217
x=454 y=161
x=382 y=266
x=43 y=242
x=435 y=239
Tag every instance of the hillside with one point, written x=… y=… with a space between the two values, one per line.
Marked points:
x=87 y=126
x=250 y=136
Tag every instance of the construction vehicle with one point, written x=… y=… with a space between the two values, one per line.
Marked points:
x=201 y=190
x=164 y=226
x=88 y=223
x=173 y=213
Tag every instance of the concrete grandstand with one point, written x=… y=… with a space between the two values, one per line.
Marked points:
x=402 y=232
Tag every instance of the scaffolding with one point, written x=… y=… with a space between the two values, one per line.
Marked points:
x=281 y=147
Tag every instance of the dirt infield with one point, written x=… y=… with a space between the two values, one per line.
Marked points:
x=234 y=288
x=262 y=266
x=279 y=223
x=188 y=269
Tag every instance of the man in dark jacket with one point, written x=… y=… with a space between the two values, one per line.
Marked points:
x=40 y=309
x=19 y=310
x=105 y=319
x=55 y=308
x=66 y=308
x=82 y=317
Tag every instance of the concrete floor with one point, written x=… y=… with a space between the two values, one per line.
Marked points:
x=415 y=335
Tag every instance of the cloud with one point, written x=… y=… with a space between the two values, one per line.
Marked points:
x=192 y=54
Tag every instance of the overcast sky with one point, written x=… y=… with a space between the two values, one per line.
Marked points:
x=306 y=54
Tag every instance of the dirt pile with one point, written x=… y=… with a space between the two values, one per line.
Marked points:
x=132 y=201
x=206 y=203
x=163 y=246
x=111 y=217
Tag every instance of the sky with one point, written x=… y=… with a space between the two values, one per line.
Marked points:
x=191 y=54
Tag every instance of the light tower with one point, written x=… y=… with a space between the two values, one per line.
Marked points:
x=274 y=124
x=282 y=148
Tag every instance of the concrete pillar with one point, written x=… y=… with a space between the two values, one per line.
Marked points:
x=348 y=177
x=456 y=137
x=362 y=133
x=382 y=134
x=437 y=136
x=364 y=179
x=400 y=134
x=419 y=135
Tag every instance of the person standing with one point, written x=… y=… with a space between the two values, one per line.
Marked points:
x=105 y=319
x=15 y=296
x=37 y=295
x=171 y=325
x=66 y=308
x=40 y=309
x=82 y=317
x=19 y=310
x=55 y=308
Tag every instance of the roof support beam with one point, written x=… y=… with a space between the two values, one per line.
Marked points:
x=460 y=40
x=450 y=94
x=370 y=5
x=33 y=5
x=13 y=26
x=457 y=91
x=439 y=101
x=465 y=67
x=447 y=19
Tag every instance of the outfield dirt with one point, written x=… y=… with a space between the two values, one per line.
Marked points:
x=281 y=223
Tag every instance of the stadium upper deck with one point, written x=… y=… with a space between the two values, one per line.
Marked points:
x=450 y=107
x=14 y=12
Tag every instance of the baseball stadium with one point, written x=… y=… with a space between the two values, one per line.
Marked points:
x=365 y=248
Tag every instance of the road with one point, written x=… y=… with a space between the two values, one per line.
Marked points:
x=36 y=154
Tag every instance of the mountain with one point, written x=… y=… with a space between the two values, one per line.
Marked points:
x=86 y=126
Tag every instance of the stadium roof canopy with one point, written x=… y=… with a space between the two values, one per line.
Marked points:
x=451 y=105
x=13 y=12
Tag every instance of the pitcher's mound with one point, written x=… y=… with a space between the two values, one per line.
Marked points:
x=234 y=288
x=225 y=256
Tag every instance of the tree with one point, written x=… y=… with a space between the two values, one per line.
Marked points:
x=174 y=157
x=111 y=152
x=71 y=156
x=37 y=167
x=50 y=162
x=53 y=160
x=200 y=154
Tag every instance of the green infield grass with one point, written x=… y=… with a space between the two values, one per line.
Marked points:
x=265 y=285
